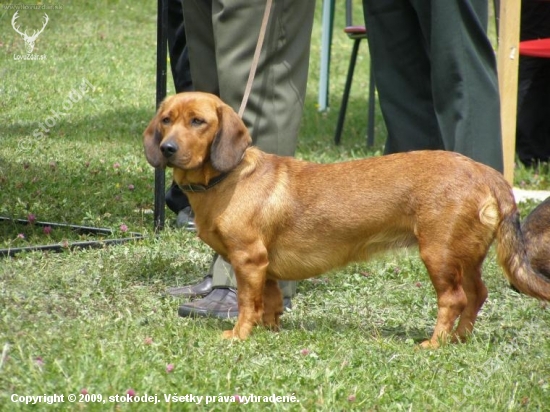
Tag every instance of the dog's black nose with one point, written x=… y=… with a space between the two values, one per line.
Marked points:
x=168 y=149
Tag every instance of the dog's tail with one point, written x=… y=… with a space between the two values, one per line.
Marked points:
x=513 y=254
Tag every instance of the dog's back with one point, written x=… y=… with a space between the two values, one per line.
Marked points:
x=447 y=204
x=315 y=217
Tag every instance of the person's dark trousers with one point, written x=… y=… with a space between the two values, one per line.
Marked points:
x=176 y=200
x=533 y=121
x=435 y=71
x=177 y=47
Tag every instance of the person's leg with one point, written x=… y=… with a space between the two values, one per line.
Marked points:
x=273 y=112
x=274 y=109
x=224 y=276
x=533 y=120
x=176 y=200
x=178 y=203
x=201 y=45
x=279 y=86
x=464 y=78
x=177 y=47
x=219 y=290
x=402 y=75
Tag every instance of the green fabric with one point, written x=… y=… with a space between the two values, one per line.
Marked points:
x=222 y=37
x=223 y=276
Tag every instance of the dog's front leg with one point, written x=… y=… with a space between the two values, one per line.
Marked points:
x=250 y=272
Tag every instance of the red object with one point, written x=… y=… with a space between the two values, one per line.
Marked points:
x=535 y=48
x=355 y=30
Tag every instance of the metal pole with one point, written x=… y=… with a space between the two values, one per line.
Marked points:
x=160 y=178
x=326 y=44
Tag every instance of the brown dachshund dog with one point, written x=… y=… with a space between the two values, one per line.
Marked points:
x=278 y=218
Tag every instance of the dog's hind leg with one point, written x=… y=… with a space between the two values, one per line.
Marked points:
x=476 y=292
x=273 y=305
x=445 y=273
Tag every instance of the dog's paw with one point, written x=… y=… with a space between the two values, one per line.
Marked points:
x=235 y=333
x=229 y=334
x=429 y=344
x=271 y=323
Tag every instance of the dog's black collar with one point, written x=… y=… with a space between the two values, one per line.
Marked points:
x=203 y=188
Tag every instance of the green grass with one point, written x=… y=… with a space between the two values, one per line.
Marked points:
x=99 y=320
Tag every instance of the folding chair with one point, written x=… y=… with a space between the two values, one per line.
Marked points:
x=357 y=34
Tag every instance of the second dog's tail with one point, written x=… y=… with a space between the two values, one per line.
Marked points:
x=513 y=256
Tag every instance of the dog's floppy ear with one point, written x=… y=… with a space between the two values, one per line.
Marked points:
x=230 y=141
x=151 y=143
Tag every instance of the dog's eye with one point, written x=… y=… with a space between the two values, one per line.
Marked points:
x=165 y=120
x=197 y=122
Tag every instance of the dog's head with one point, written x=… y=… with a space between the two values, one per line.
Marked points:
x=192 y=128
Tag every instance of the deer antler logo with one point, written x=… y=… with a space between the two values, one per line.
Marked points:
x=29 y=40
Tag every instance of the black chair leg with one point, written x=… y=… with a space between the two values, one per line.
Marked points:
x=347 y=88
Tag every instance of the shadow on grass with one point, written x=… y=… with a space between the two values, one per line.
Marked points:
x=349 y=325
x=112 y=124
x=325 y=326
x=60 y=181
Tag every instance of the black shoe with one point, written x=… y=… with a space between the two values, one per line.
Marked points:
x=220 y=303
x=186 y=219
x=202 y=288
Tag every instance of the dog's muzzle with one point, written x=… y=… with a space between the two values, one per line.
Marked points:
x=169 y=149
